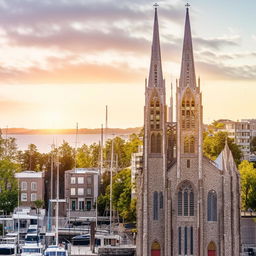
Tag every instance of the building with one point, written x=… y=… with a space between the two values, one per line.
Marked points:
x=31 y=185
x=81 y=191
x=136 y=165
x=187 y=204
x=241 y=132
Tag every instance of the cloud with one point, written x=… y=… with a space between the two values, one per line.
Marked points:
x=221 y=71
x=72 y=74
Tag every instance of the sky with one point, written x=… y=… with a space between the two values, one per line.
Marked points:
x=63 y=61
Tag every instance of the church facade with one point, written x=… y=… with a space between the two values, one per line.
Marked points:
x=187 y=204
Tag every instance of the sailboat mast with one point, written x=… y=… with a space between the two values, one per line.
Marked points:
x=111 y=182
x=76 y=143
x=57 y=199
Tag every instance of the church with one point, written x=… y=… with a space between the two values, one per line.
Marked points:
x=187 y=204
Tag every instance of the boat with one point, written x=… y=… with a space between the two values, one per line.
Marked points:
x=32 y=238
x=8 y=246
x=55 y=250
x=32 y=250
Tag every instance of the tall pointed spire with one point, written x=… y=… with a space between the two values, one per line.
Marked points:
x=155 y=73
x=187 y=74
x=171 y=106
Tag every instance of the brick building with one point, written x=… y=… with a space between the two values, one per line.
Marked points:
x=81 y=191
x=187 y=204
x=31 y=185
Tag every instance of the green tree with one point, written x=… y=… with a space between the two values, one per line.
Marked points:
x=253 y=145
x=30 y=159
x=121 y=196
x=213 y=144
x=248 y=185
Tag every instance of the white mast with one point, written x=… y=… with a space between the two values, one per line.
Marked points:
x=111 y=182
x=57 y=200
x=76 y=143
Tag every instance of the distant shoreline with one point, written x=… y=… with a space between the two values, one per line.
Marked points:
x=24 y=131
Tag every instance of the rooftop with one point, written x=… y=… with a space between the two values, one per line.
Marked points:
x=84 y=171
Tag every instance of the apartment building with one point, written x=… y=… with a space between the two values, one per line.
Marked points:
x=31 y=187
x=81 y=191
x=242 y=132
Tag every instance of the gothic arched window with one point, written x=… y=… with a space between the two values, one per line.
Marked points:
x=188 y=111
x=186 y=200
x=161 y=200
x=155 y=206
x=212 y=206
x=189 y=144
x=153 y=143
x=155 y=113
x=158 y=143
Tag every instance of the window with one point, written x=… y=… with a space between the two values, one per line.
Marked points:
x=73 y=180
x=89 y=180
x=185 y=200
x=80 y=180
x=185 y=203
x=155 y=206
x=80 y=191
x=188 y=163
x=73 y=205
x=24 y=185
x=179 y=241
x=156 y=143
x=89 y=191
x=161 y=200
x=33 y=186
x=212 y=205
x=155 y=113
x=72 y=191
x=153 y=143
x=186 y=240
x=180 y=203
x=81 y=204
x=191 y=205
x=33 y=197
x=189 y=144
x=188 y=110
x=191 y=241
x=88 y=205
x=23 y=197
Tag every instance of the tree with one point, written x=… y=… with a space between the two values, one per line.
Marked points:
x=253 y=145
x=30 y=159
x=248 y=185
x=213 y=144
x=39 y=204
x=121 y=196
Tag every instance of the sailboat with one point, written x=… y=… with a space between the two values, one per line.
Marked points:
x=56 y=249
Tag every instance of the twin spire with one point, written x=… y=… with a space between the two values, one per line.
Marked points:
x=187 y=75
x=155 y=74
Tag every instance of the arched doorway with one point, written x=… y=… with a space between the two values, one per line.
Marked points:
x=155 y=249
x=212 y=249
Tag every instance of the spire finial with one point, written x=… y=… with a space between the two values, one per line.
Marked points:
x=187 y=5
x=156 y=5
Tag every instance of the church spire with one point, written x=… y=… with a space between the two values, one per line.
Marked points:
x=155 y=73
x=187 y=74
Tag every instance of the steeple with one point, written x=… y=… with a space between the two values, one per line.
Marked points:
x=155 y=73
x=171 y=106
x=187 y=74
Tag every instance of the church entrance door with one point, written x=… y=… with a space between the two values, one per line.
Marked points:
x=155 y=249
x=212 y=249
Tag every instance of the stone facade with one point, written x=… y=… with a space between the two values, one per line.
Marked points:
x=187 y=204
